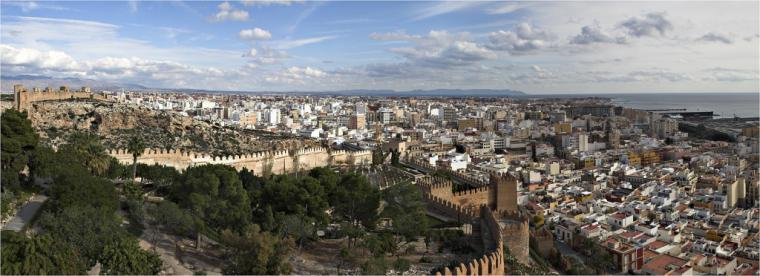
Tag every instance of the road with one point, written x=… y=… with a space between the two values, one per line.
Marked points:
x=25 y=214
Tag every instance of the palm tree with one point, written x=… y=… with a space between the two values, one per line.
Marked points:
x=87 y=147
x=136 y=147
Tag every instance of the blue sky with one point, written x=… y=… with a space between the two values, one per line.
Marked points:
x=537 y=47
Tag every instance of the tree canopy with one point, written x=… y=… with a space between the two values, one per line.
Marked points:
x=18 y=142
x=216 y=194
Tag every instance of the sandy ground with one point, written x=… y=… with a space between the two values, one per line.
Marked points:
x=323 y=257
x=179 y=254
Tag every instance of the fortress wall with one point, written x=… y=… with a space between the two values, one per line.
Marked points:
x=24 y=98
x=444 y=207
x=492 y=262
x=473 y=197
x=516 y=233
x=280 y=162
x=436 y=186
x=276 y=162
x=508 y=225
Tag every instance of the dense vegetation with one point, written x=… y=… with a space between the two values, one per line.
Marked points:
x=79 y=225
x=259 y=221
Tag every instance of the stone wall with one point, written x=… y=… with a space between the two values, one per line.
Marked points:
x=24 y=98
x=507 y=225
x=274 y=162
x=516 y=234
x=492 y=261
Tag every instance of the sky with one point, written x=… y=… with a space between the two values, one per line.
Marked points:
x=283 y=45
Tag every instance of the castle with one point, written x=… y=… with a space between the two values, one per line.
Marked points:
x=262 y=163
x=494 y=207
x=23 y=99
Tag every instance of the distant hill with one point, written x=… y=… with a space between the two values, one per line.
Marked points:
x=429 y=93
x=29 y=81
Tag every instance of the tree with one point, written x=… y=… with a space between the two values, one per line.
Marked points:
x=538 y=220
x=42 y=255
x=136 y=147
x=85 y=228
x=175 y=219
x=132 y=191
x=407 y=209
x=290 y=195
x=356 y=200
x=395 y=157
x=87 y=149
x=299 y=227
x=124 y=257
x=374 y=266
x=256 y=252
x=327 y=177
x=216 y=195
x=18 y=142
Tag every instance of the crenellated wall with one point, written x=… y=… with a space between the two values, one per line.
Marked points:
x=275 y=162
x=492 y=261
x=506 y=224
x=24 y=98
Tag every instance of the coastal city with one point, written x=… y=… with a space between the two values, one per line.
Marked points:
x=564 y=182
x=323 y=137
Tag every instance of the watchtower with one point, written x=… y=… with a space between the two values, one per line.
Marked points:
x=504 y=193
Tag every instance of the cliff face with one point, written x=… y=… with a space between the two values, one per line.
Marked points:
x=117 y=123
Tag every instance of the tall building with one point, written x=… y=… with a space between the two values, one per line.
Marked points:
x=357 y=121
x=664 y=127
x=274 y=116
x=450 y=114
x=385 y=115
x=361 y=108
x=583 y=142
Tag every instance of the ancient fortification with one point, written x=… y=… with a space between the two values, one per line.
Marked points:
x=23 y=99
x=494 y=207
x=263 y=163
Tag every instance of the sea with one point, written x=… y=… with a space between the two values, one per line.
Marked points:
x=725 y=105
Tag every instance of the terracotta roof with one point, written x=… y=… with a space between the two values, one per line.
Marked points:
x=656 y=244
x=661 y=263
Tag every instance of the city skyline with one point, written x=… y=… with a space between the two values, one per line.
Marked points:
x=547 y=47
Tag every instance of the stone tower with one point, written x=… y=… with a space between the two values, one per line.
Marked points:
x=504 y=195
x=20 y=97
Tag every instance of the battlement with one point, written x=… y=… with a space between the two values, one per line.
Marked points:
x=23 y=98
x=481 y=189
x=492 y=262
x=257 y=162
x=310 y=150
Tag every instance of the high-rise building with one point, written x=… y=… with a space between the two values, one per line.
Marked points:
x=583 y=142
x=449 y=114
x=361 y=108
x=357 y=121
x=664 y=127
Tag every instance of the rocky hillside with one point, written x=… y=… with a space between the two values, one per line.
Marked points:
x=117 y=123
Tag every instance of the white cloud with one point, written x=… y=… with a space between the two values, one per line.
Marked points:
x=444 y=7
x=593 y=34
x=716 y=37
x=228 y=12
x=266 y=56
x=132 y=6
x=523 y=39
x=651 y=24
x=32 y=58
x=255 y=34
x=506 y=8
x=296 y=75
x=294 y=43
x=269 y=2
x=438 y=48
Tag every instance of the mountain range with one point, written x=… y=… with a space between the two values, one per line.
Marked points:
x=7 y=82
